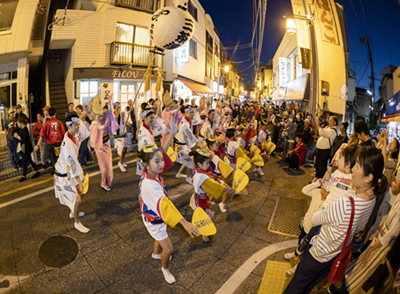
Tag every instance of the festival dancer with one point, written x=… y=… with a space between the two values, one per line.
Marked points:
x=186 y=141
x=68 y=175
x=262 y=137
x=204 y=186
x=231 y=147
x=219 y=169
x=157 y=210
x=146 y=137
x=207 y=129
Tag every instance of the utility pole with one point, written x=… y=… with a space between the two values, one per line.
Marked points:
x=366 y=41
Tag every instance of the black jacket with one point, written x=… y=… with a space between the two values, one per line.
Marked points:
x=25 y=140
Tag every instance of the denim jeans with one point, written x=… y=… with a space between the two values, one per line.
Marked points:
x=129 y=136
x=12 y=149
x=84 y=152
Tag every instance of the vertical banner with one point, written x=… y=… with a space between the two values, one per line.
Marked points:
x=106 y=89
x=306 y=60
x=184 y=53
x=326 y=21
x=282 y=72
x=303 y=38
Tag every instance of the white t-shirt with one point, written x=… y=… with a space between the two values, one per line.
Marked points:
x=339 y=185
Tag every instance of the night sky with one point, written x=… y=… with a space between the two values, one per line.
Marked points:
x=381 y=20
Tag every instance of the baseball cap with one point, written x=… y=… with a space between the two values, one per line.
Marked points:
x=18 y=106
x=46 y=108
x=11 y=111
x=147 y=112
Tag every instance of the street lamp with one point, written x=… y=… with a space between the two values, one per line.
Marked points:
x=291 y=26
x=226 y=68
x=259 y=85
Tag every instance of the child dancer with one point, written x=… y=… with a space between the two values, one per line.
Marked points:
x=231 y=147
x=205 y=186
x=218 y=169
x=157 y=210
x=261 y=137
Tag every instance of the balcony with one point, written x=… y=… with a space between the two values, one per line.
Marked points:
x=128 y=53
x=143 y=5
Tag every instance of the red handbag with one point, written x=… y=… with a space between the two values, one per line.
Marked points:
x=340 y=263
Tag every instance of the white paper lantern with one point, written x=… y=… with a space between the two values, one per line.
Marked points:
x=171 y=27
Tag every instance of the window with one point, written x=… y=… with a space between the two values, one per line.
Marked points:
x=209 y=55
x=5 y=93
x=192 y=10
x=193 y=48
x=127 y=93
x=132 y=34
x=7 y=12
x=88 y=90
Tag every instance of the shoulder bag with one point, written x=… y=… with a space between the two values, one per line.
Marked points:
x=340 y=263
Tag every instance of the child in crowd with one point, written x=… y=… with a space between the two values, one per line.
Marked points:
x=262 y=137
x=157 y=210
x=204 y=186
x=297 y=157
x=231 y=147
x=241 y=138
x=334 y=187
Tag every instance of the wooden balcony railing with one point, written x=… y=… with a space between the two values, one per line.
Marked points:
x=145 y=5
x=128 y=53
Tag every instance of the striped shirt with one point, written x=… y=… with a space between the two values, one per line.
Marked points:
x=335 y=220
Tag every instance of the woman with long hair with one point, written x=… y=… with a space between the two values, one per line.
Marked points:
x=369 y=182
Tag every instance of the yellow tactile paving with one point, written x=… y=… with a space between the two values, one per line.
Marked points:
x=274 y=278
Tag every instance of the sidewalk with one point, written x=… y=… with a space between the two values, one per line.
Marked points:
x=115 y=256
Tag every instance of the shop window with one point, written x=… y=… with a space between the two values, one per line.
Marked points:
x=88 y=90
x=193 y=48
x=7 y=12
x=5 y=92
x=127 y=92
x=192 y=10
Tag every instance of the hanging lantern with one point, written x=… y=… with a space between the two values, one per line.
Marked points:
x=291 y=26
x=171 y=27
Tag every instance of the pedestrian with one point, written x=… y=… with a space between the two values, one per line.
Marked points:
x=290 y=127
x=68 y=176
x=156 y=208
x=340 y=138
x=390 y=153
x=85 y=156
x=186 y=141
x=297 y=157
x=11 y=127
x=324 y=144
x=19 y=113
x=368 y=182
x=132 y=126
x=37 y=127
x=307 y=133
x=236 y=114
x=70 y=110
x=204 y=186
x=361 y=129
x=53 y=130
x=121 y=139
x=26 y=148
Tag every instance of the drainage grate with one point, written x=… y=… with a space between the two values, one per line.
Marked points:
x=286 y=216
x=58 y=251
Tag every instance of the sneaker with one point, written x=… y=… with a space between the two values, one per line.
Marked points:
x=255 y=170
x=295 y=169
x=290 y=169
x=22 y=179
x=189 y=180
x=292 y=270
x=81 y=228
x=89 y=162
x=105 y=188
x=158 y=256
x=289 y=256
x=222 y=207
x=260 y=171
x=36 y=175
x=121 y=167
x=71 y=215
x=212 y=203
x=206 y=239
x=169 y=278
x=125 y=165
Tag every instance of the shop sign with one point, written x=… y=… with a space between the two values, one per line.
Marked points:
x=306 y=61
x=184 y=53
x=282 y=72
x=111 y=73
x=106 y=89
x=327 y=22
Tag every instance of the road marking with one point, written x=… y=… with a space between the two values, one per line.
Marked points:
x=50 y=188
x=47 y=180
x=250 y=264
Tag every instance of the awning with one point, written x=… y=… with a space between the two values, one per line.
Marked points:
x=197 y=88
x=393 y=109
x=298 y=89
